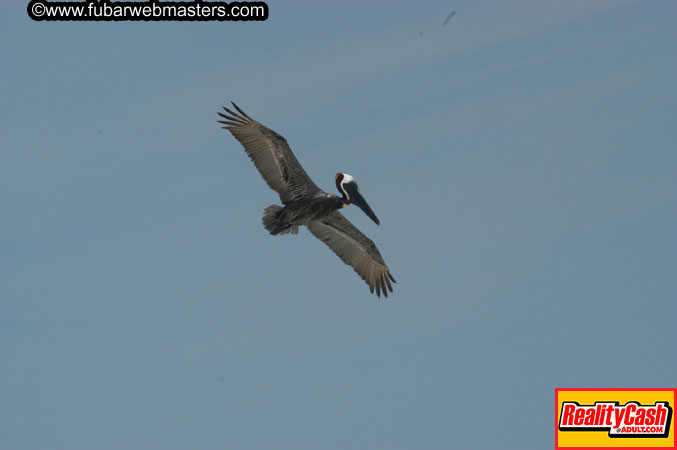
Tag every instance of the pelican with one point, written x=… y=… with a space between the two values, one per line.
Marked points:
x=306 y=204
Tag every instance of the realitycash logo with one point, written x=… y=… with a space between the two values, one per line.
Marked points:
x=630 y=420
x=615 y=418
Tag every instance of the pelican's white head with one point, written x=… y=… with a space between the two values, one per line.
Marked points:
x=347 y=186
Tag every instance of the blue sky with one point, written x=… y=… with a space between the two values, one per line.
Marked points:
x=521 y=161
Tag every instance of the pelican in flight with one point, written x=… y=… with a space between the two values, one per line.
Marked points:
x=306 y=204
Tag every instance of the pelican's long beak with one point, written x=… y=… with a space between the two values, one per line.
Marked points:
x=356 y=198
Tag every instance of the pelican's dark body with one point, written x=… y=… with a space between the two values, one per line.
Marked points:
x=278 y=220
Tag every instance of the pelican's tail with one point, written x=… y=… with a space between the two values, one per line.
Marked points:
x=273 y=222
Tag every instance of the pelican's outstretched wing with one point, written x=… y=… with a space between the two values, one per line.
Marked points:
x=355 y=249
x=271 y=155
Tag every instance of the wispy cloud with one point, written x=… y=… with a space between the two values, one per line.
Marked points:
x=301 y=73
